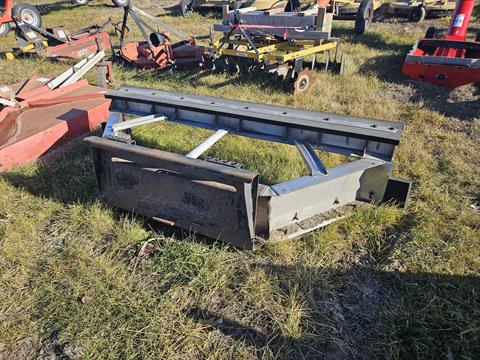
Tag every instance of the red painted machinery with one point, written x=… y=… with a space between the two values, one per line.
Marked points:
x=452 y=61
x=40 y=113
x=157 y=51
x=59 y=43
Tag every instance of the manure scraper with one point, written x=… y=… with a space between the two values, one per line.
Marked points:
x=221 y=200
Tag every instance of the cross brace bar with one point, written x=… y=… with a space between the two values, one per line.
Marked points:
x=342 y=134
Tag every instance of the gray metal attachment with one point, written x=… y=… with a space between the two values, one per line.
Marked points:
x=224 y=202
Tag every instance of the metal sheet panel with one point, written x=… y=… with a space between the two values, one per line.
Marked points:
x=209 y=199
x=302 y=198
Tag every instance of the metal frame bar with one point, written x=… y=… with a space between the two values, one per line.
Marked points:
x=159 y=23
x=311 y=158
x=342 y=134
x=74 y=73
x=273 y=50
x=207 y=144
x=23 y=28
x=220 y=201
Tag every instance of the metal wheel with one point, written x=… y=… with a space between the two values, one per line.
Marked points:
x=4 y=28
x=186 y=7
x=28 y=14
x=364 y=17
x=430 y=33
x=219 y=65
x=288 y=81
x=233 y=67
x=292 y=6
x=244 y=67
x=258 y=68
x=81 y=2
x=121 y=3
x=118 y=28
x=207 y=62
x=418 y=14
x=304 y=81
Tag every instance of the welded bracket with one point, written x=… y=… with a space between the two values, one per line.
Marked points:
x=311 y=158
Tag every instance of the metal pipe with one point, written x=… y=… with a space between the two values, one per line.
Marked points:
x=311 y=158
x=137 y=122
x=460 y=19
x=207 y=144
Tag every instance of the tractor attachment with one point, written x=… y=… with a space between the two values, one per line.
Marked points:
x=157 y=51
x=418 y=10
x=59 y=43
x=290 y=45
x=451 y=61
x=40 y=113
x=218 y=199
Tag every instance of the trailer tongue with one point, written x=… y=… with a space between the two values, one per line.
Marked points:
x=222 y=201
x=451 y=61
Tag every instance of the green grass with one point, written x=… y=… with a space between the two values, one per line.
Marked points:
x=79 y=279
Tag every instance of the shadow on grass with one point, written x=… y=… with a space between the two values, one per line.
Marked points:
x=369 y=39
x=366 y=309
x=48 y=8
x=361 y=309
x=194 y=79
x=64 y=174
x=67 y=174
x=374 y=313
x=174 y=10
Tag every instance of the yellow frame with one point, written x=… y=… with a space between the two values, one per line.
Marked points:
x=272 y=50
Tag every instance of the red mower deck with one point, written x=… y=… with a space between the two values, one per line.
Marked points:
x=46 y=118
x=79 y=48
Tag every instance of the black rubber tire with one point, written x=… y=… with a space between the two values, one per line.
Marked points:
x=364 y=17
x=28 y=14
x=5 y=27
x=121 y=3
x=430 y=33
x=418 y=14
x=292 y=6
x=185 y=7
x=477 y=37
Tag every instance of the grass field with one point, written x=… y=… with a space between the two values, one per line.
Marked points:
x=383 y=283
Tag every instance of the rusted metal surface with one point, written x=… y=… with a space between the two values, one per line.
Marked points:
x=146 y=57
x=170 y=188
x=157 y=51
